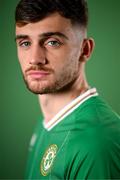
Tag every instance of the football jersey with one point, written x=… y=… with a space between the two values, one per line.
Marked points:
x=81 y=142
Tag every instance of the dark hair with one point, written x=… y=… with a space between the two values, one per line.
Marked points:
x=28 y=11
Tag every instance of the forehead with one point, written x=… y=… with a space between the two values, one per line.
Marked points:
x=54 y=22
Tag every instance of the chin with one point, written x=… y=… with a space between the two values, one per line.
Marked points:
x=41 y=91
x=36 y=87
x=39 y=87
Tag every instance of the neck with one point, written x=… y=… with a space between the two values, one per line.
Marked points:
x=51 y=104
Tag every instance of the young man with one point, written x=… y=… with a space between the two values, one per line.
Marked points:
x=79 y=135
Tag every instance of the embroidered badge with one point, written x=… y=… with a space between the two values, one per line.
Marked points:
x=48 y=158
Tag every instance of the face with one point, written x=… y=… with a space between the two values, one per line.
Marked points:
x=49 y=53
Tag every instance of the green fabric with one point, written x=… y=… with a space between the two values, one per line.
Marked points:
x=88 y=145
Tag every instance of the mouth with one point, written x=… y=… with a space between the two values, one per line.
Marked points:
x=37 y=74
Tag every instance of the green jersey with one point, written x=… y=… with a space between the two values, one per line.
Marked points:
x=81 y=142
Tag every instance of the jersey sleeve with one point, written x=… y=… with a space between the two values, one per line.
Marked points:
x=94 y=158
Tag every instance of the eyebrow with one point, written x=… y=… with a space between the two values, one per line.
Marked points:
x=43 y=35
x=21 y=36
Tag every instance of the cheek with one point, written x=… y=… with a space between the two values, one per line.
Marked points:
x=22 y=60
x=65 y=64
x=58 y=62
x=58 y=57
x=71 y=63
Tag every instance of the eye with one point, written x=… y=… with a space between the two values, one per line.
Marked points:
x=24 y=44
x=53 y=43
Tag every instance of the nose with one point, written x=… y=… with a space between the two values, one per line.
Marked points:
x=37 y=55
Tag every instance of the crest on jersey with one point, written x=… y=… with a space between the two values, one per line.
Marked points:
x=48 y=159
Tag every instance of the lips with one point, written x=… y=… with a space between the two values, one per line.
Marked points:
x=37 y=74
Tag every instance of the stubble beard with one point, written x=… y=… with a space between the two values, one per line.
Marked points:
x=58 y=85
x=38 y=87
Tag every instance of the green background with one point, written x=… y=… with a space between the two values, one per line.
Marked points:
x=19 y=109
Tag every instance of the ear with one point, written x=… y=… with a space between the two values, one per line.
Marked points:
x=87 y=48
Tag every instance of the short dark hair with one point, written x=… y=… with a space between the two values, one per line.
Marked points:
x=29 y=11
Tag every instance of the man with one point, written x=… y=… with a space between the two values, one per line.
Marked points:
x=78 y=136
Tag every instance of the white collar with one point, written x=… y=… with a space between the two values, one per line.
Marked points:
x=69 y=108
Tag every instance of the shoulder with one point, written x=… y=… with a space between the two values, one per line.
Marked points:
x=93 y=154
x=95 y=142
x=95 y=127
x=96 y=114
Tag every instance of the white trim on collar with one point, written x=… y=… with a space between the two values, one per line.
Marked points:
x=70 y=108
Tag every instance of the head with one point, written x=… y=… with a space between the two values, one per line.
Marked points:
x=52 y=43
